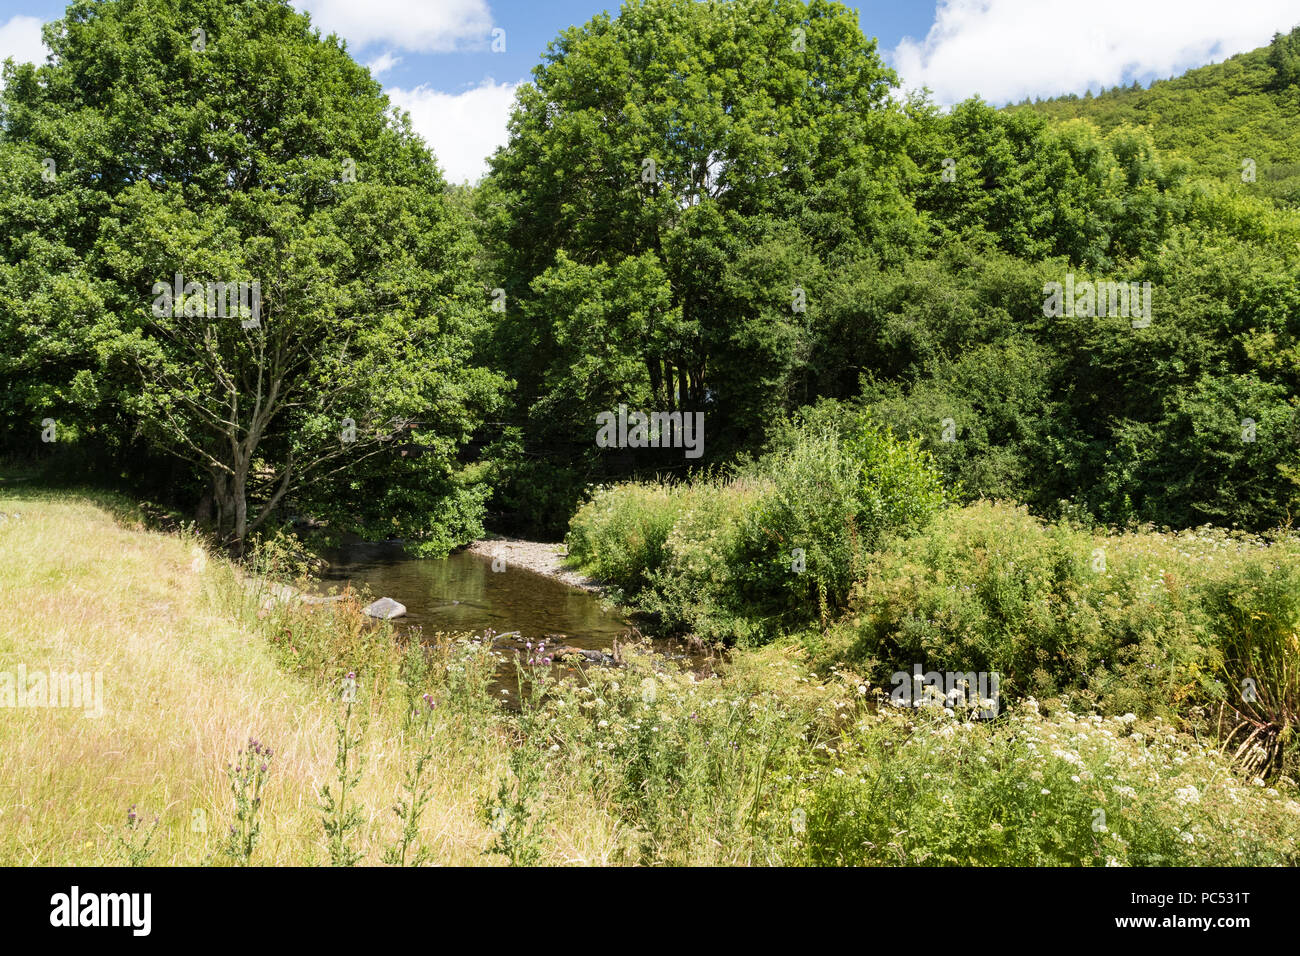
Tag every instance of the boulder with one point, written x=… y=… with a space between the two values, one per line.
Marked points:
x=385 y=609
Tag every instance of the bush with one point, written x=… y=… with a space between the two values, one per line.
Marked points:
x=1054 y=610
x=776 y=547
x=835 y=500
x=1255 y=615
x=618 y=535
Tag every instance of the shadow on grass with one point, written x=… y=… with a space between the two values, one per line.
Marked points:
x=26 y=482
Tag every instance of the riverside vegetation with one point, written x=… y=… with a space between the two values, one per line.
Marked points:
x=909 y=460
x=792 y=756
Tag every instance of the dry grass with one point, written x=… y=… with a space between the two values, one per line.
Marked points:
x=185 y=687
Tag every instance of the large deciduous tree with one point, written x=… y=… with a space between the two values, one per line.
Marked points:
x=230 y=143
x=673 y=173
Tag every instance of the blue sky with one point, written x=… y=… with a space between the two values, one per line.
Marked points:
x=531 y=24
x=436 y=59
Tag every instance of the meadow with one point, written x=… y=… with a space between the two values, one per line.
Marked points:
x=239 y=730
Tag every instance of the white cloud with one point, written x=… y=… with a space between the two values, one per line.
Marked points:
x=463 y=129
x=20 y=38
x=1005 y=50
x=425 y=26
x=383 y=63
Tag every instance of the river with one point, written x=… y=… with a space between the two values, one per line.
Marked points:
x=462 y=593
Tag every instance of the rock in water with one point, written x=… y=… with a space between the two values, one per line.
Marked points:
x=385 y=609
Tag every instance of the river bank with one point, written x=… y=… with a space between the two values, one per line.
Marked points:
x=539 y=557
x=767 y=762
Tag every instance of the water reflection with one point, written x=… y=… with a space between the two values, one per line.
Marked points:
x=463 y=593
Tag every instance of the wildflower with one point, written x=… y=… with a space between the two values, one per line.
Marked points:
x=1186 y=795
x=1044 y=791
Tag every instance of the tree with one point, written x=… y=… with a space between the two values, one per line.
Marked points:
x=722 y=151
x=220 y=146
x=1284 y=58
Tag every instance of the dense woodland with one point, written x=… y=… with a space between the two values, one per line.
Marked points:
x=994 y=400
x=470 y=336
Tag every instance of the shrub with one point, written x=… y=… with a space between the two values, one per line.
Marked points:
x=1054 y=610
x=776 y=547
x=618 y=535
x=1255 y=615
x=835 y=499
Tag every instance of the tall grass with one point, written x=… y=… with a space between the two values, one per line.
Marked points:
x=771 y=763
x=191 y=673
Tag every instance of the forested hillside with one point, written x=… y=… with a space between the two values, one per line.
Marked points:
x=720 y=211
x=1218 y=116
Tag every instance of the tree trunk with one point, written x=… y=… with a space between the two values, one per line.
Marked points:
x=239 y=503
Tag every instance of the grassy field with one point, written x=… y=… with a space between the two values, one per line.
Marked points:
x=84 y=588
x=769 y=764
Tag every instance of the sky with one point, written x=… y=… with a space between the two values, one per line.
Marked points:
x=454 y=64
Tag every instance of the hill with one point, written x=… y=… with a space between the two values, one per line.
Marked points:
x=1218 y=116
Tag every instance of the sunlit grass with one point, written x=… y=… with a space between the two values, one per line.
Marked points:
x=784 y=759
x=185 y=687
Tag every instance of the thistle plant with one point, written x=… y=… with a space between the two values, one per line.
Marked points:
x=133 y=842
x=513 y=813
x=341 y=818
x=248 y=775
x=417 y=790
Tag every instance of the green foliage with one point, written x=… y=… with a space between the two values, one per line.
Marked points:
x=736 y=772
x=672 y=286
x=776 y=547
x=835 y=500
x=248 y=776
x=1255 y=616
x=263 y=153
x=1284 y=58
x=923 y=789
x=1054 y=610
x=1216 y=116
x=620 y=535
